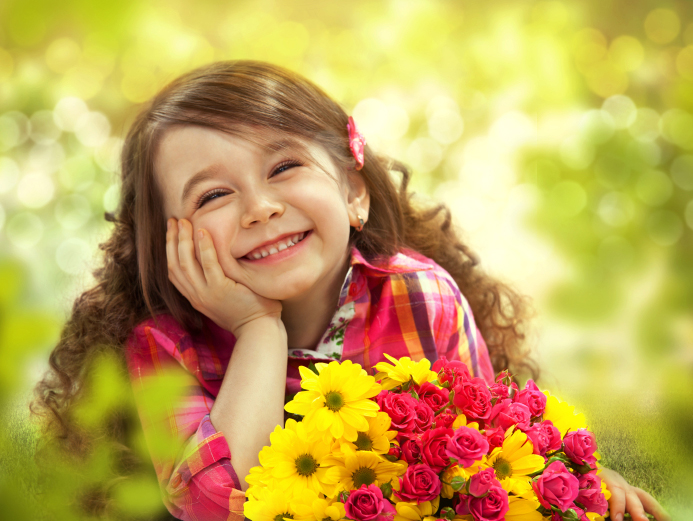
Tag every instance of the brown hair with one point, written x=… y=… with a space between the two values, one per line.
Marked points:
x=133 y=284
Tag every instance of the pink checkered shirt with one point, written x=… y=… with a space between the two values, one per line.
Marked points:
x=409 y=306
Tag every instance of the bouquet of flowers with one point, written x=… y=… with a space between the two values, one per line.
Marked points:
x=419 y=443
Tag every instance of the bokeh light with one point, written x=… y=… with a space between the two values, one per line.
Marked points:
x=559 y=132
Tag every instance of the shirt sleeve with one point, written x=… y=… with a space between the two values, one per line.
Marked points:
x=191 y=458
x=460 y=337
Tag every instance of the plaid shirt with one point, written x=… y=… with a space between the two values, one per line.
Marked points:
x=409 y=306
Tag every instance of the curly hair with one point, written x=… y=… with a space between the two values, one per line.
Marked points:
x=132 y=283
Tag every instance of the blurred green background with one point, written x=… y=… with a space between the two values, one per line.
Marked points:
x=559 y=132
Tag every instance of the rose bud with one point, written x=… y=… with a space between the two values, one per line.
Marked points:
x=411 y=448
x=481 y=482
x=367 y=504
x=467 y=445
x=473 y=398
x=580 y=446
x=451 y=372
x=394 y=453
x=556 y=486
x=420 y=483
x=495 y=437
x=499 y=390
x=433 y=445
x=435 y=397
x=445 y=420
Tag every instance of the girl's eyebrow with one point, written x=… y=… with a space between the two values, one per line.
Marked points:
x=213 y=170
x=203 y=175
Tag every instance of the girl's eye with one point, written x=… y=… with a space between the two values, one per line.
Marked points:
x=208 y=196
x=285 y=165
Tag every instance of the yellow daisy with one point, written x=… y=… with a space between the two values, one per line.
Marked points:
x=412 y=512
x=311 y=505
x=377 y=438
x=403 y=370
x=514 y=461
x=353 y=468
x=336 y=399
x=273 y=505
x=563 y=415
x=522 y=509
x=454 y=472
x=296 y=459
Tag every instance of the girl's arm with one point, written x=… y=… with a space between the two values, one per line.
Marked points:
x=250 y=402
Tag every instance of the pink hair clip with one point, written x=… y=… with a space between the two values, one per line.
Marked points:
x=357 y=143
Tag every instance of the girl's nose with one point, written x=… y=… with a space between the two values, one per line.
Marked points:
x=260 y=208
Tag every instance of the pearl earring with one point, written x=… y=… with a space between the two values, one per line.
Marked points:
x=360 y=226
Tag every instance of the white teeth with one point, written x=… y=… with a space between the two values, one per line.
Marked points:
x=280 y=246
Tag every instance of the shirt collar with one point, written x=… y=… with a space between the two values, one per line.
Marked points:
x=403 y=262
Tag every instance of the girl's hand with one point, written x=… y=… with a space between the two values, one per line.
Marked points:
x=626 y=498
x=229 y=304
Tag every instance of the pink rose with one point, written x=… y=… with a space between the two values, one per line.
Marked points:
x=505 y=414
x=540 y=440
x=450 y=372
x=420 y=483
x=473 y=398
x=579 y=446
x=495 y=437
x=435 y=397
x=556 y=486
x=491 y=507
x=411 y=448
x=367 y=504
x=553 y=435
x=467 y=445
x=499 y=390
x=424 y=417
x=433 y=445
x=533 y=398
x=445 y=419
x=481 y=482
x=590 y=495
x=401 y=408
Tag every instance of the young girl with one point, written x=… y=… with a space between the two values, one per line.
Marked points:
x=257 y=232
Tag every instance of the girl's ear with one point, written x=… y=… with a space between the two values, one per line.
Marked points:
x=358 y=199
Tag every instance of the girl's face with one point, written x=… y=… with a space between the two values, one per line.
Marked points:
x=253 y=199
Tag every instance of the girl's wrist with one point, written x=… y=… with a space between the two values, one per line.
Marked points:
x=262 y=326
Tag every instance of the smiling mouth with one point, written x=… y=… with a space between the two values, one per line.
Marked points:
x=279 y=246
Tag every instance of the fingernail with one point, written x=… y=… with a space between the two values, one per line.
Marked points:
x=618 y=517
x=200 y=233
x=168 y=224
x=180 y=224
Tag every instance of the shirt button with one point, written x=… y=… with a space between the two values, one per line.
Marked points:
x=352 y=289
x=176 y=480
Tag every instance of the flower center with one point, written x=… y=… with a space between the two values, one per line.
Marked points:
x=334 y=401
x=281 y=517
x=306 y=465
x=503 y=468
x=363 y=476
x=363 y=442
